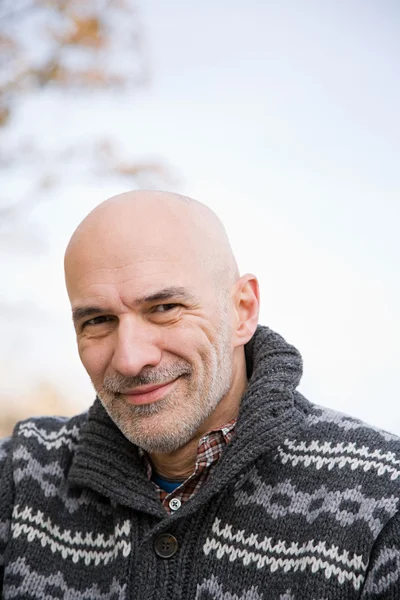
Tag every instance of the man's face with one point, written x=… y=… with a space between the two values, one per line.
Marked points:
x=156 y=342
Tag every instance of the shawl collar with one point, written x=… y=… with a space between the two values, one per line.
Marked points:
x=108 y=463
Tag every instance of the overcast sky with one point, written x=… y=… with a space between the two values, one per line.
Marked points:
x=284 y=118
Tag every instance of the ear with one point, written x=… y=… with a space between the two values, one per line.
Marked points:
x=246 y=299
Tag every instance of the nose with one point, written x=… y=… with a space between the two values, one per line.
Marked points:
x=136 y=347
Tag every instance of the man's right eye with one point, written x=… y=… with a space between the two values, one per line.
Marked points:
x=96 y=321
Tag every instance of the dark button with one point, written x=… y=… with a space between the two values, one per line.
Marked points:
x=165 y=545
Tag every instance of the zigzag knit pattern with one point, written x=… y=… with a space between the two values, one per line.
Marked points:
x=303 y=505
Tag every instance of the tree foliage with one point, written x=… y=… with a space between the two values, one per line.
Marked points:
x=67 y=43
x=71 y=48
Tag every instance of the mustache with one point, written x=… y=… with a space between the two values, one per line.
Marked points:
x=116 y=382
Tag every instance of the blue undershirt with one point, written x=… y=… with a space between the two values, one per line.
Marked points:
x=165 y=484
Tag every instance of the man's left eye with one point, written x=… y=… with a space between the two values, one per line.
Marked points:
x=161 y=308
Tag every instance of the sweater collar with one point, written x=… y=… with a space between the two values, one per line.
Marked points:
x=109 y=464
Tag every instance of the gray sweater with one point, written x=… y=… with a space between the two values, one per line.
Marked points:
x=302 y=505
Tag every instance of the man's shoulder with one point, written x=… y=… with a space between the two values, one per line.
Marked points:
x=343 y=451
x=49 y=434
x=338 y=426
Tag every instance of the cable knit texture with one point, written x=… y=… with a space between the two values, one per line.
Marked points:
x=303 y=504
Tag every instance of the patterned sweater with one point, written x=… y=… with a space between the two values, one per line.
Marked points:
x=302 y=505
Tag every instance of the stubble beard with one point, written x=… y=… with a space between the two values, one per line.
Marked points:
x=168 y=424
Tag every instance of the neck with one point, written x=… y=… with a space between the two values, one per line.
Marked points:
x=180 y=464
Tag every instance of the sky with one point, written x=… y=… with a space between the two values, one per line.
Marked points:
x=283 y=118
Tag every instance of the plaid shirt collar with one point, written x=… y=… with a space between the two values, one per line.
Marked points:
x=209 y=450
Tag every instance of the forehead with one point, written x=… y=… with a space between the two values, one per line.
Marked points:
x=129 y=275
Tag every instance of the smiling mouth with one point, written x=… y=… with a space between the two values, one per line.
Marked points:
x=146 y=394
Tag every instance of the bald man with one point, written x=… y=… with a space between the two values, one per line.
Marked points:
x=199 y=472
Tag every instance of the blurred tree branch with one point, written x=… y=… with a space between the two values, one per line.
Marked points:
x=70 y=48
x=67 y=43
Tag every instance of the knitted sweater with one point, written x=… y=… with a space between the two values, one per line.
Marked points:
x=302 y=505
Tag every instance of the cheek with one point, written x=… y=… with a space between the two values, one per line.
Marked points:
x=95 y=358
x=193 y=342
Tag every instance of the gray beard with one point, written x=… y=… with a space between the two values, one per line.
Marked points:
x=190 y=412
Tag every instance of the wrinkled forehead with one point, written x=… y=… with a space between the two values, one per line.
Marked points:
x=146 y=245
x=135 y=269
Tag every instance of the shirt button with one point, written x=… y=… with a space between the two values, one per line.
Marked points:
x=175 y=503
x=165 y=545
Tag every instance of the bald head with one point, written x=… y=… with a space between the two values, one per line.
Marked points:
x=145 y=225
x=158 y=306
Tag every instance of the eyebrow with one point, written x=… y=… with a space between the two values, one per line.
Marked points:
x=179 y=293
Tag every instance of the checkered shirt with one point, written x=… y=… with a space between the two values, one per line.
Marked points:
x=209 y=450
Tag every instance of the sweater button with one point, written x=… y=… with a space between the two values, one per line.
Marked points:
x=165 y=545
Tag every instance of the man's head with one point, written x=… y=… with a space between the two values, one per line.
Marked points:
x=160 y=313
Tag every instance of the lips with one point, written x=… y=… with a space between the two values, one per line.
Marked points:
x=144 y=389
x=146 y=394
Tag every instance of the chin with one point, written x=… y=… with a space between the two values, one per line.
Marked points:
x=159 y=439
x=158 y=445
